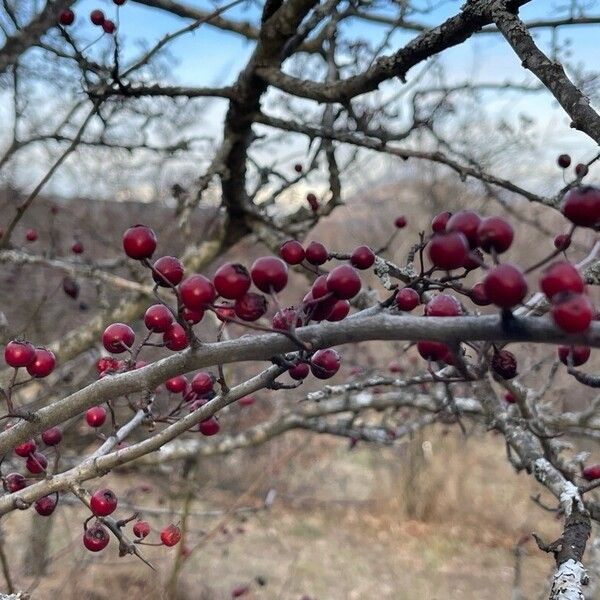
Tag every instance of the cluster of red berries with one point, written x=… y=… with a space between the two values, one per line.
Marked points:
x=66 y=17
x=564 y=162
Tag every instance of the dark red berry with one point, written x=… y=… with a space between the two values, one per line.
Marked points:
x=495 y=234
x=478 y=295
x=316 y=253
x=312 y=202
x=581 y=206
x=250 y=307
x=362 y=257
x=108 y=26
x=505 y=285
x=344 y=282
x=168 y=271
x=439 y=222
x=225 y=313
x=298 y=168
x=197 y=292
x=578 y=354
x=292 y=252
x=36 y=463
x=52 y=436
x=141 y=529
x=170 y=535
x=45 y=505
x=95 y=416
x=103 y=502
x=209 y=426
x=97 y=17
x=299 y=371
x=14 y=482
x=504 y=364
x=325 y=363
x=400 y=222
x=117 y=338
x=232 y=281
x=407 y=299
x=561 y=277
x=176 y=385
x=432 y=350
x=192 y=316
x=175 y=338
x=448 y=250
x=19 y=353
x=158 y=318
x=564 y=161
x=466 y=222
x=139 y=241
x=107 y=363
x=562 y=241
x=95 y=537
x=70 y=287
x=339 y=311
x=26 y=448
x=269 y=274
x=443 y=305
x=581 y=170
x=43 y=364
x=509 y=398
x=31 y=235
x=573 y=313
x=285 y=318
x=591 y=473
x=202 y=382
x=77 y=248
x=66 y=17
x=119 y=2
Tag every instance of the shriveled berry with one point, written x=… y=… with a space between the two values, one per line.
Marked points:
x=250 y=307
x=70 y=287
x=285 y=318
x=504 y=364
x=313 y=202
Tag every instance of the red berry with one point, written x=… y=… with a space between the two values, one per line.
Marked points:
x=439 y=222
x=43 y=364
x=510 y=398
x=139 y=241
x=581 y=170
x=431 y=350
x=344 y=282
x=312 y=202
x=66 y=17
x=292 y=252
x=70 y=287
x=474 y=260
x=36 y=463
x=31 y=235
x=158 y=318
x=247 y=400
x=26 y=448
x=316 y=253
x=504 y=364
x=443 y=305
x=45 y=506
x=505 y=285
x=591 y=473
x=168 y=271
x=561 y=277
x=14 y=482
x=562 y=241
x=119 y=2
x=103 y=502
x=95 y=416
x=573 y=313
x=564 y=161
x=284 y=319
x=202 y=382
x=581 y=206
x=232 y=281
x=197 y=292
x=170 y=535
x=225 y=313
x=209 y=426
x=298 y=168
x=325 y=363
x=362 y=257
x=108 y=26
x=176 y=385
x=192 y=316
x=495 y=233
x=250 y=307
x=141 y=529
x=339 y=311
x=448 y=250
x=97 y=17
x=478 y=295
x=407 y=299
x=52 y=436
x=395 y=366
x=19 y=353
x=96 y=538
x=400 y=222
x=269 y=274
x=77 y=248
x=107 y=363
x=239 y=591
x=579 y=354
x=465 y=222
x=299 y=371
x=118 y=337
x=175 y=338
